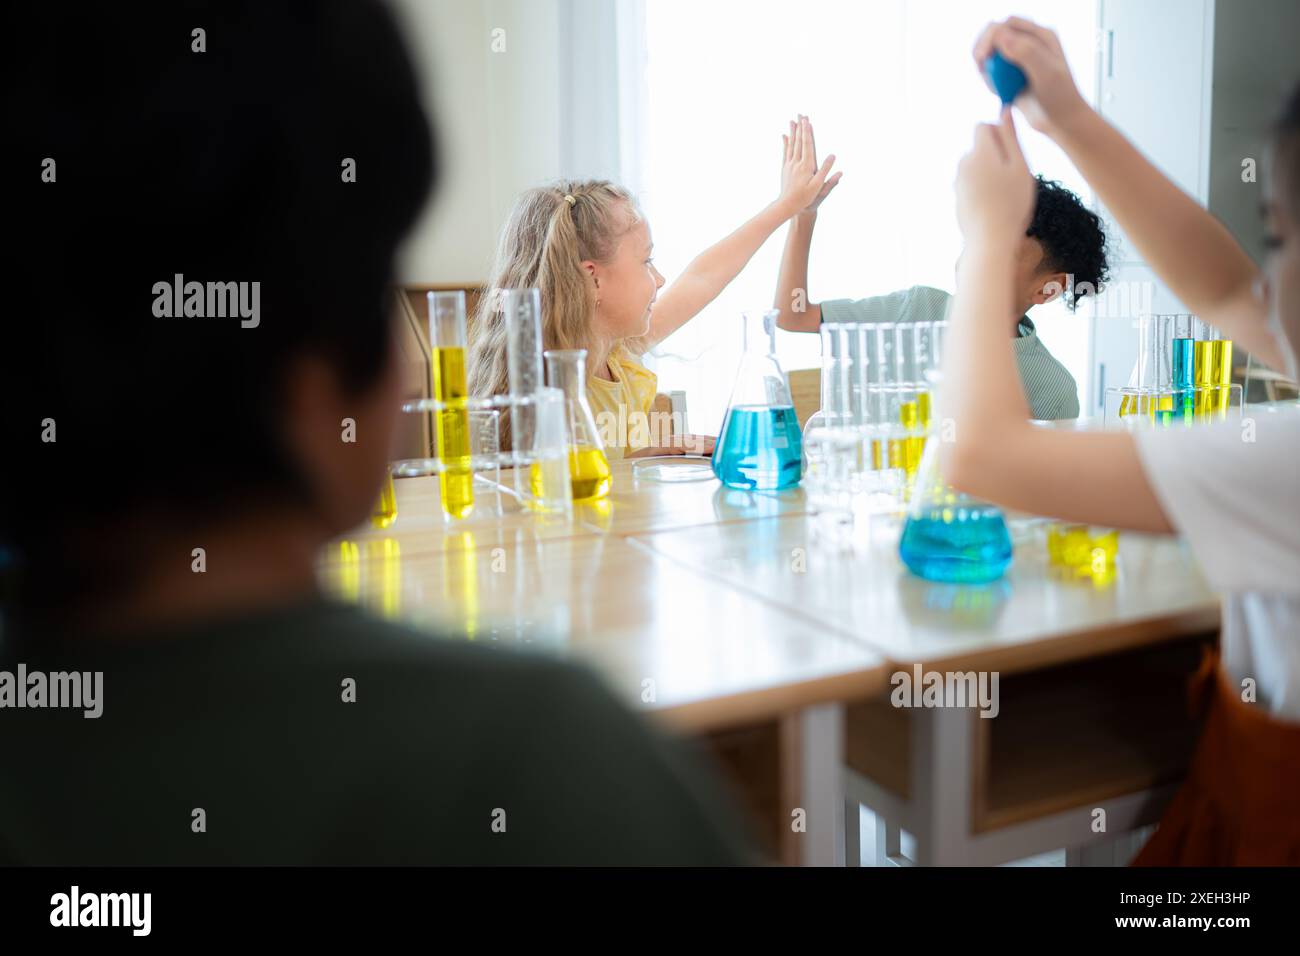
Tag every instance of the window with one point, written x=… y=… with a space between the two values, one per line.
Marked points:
x=891 y=90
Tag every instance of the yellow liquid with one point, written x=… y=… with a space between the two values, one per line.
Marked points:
x=1221 y=358
x=349 y=572
x=385 y=512
x=914 y=416
x=875 y=454
x=460 y=581
x=1203 y=365
x=387 y=556
x=912 y=451
x=1146 y=405
x=589 y=473
x=456 y=480
x=1077 y=548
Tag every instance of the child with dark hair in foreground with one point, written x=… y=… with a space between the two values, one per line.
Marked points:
x=144 y=440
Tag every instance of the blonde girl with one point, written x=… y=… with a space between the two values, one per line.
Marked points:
x=588 y=248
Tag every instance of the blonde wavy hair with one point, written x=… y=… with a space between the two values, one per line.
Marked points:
x=543 y=245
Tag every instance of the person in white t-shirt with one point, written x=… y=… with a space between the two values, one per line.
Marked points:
x=1232 y=489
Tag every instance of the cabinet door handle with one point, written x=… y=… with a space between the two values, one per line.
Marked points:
x=1110 y=54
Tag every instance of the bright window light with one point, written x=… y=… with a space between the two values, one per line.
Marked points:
x=892 y=92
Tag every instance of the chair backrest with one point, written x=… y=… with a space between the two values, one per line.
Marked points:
x=806 y=392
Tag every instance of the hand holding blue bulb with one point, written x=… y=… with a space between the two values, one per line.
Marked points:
x=1007 y=78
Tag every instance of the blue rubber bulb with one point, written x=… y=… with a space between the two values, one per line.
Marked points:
x=1007 y=78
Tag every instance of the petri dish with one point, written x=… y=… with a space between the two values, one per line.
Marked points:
x=673 y=468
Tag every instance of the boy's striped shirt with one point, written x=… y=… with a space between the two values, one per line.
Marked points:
x=1049 y=387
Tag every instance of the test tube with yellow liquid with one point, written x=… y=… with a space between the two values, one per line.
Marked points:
x=588 y=464
x=913 y=348
x=447 y=365
x=1221 y=359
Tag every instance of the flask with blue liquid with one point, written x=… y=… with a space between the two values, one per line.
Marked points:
x=760 y=447
x=950 y=536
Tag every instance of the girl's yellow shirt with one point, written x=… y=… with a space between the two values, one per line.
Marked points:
x=622 y=407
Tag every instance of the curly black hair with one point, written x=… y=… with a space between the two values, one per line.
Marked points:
x=1072 y=238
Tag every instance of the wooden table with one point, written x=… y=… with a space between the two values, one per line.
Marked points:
x=719 y=613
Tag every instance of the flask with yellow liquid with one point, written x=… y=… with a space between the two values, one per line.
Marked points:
x=588 y=465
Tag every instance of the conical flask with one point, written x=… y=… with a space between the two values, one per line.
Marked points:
x=950 y=536
x=588 y=465
x=760 y=446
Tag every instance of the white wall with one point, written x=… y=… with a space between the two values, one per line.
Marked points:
x=1254 y=66
x=498 y=119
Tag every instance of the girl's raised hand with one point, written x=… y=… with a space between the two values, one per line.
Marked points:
x=1050 y=101
x=995 y=191
x=803 y=183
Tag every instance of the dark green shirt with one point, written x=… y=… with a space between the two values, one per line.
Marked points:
x=245 y=719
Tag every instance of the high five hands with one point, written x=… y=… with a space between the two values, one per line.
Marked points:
x=804 y=184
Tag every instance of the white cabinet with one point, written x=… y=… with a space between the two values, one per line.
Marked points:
x=1154 y=84
x=1194 y=84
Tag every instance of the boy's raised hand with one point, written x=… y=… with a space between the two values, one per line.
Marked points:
x=995 y=191
x=803 y=183
x=1050 y=101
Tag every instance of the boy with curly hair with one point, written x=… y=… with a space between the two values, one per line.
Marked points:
x=1063 y=253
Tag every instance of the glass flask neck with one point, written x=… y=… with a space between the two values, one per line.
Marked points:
x=759 y=332
x=566 y=370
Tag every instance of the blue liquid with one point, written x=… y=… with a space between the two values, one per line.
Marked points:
x=972 y=547
x=1184 y=376
x=760 y=447
x=1184 y=363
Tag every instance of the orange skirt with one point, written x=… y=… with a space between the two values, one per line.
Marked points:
x=1240 y=804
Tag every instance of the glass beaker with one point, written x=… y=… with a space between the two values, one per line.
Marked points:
x=447 y=365
x=588 y=466
x=950 y=536
x=1150 y=393
x=548 y=488
x=760 y=446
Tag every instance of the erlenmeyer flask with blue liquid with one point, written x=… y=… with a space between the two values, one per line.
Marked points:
x=760 y=446
x=950 y=536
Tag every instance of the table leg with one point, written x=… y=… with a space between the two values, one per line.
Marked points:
x=812 y=741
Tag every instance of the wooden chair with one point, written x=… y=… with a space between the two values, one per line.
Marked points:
x=1272 y=382
x=806 y=392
